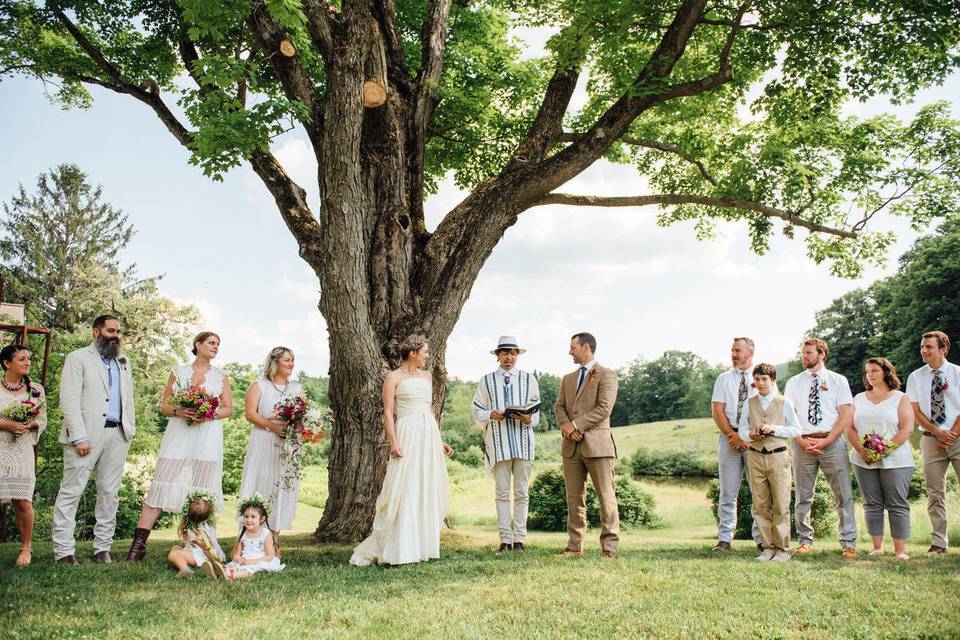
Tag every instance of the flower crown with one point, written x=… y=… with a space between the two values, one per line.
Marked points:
x=193 y=497
x=256 y=500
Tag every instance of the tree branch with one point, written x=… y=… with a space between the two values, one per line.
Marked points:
x=660 y=146
x=296 y=80
x=675 y=199
x=322 y=18
x=385 y=13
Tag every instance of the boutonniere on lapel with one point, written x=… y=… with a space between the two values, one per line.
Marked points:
x=753 y=384
x=824 y=387
x=122 y=361
x=946 y=385
x=593 y=374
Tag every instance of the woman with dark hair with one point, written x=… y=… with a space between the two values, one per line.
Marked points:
x=882 y=459
x=17 y=472
x=191 y=453
x=412 y=504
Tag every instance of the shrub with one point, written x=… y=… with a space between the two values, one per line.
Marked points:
x=236 y=434
x=823 y=512
x=672 y=462
x=548 y=503
x=472 y=456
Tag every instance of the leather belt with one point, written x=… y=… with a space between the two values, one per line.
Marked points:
x=112 y=424
x=765 y=452
x=929 y=433
x=818 y=435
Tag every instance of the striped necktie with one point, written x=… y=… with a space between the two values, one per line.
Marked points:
x=938 y=414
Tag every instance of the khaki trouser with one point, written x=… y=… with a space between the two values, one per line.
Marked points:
x=575 y=470
x=770 y=482
x=512 y=526
x=107 y=460
x=935 y=464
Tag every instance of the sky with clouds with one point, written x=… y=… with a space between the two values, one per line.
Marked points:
x=222 y=246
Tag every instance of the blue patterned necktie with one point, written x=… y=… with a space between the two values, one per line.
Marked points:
x=814 y=414
x=937 y=409
x=583 y=374
x=741 y=396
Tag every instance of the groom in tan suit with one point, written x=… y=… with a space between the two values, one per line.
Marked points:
x=583 y=409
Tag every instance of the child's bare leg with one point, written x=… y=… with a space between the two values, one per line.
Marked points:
x=181 y=559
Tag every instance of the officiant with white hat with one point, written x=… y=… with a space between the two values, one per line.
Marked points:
x=507 y=405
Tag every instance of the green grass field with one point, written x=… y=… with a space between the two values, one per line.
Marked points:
x=664 y=584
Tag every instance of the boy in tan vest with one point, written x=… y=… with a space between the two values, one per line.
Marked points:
x=772 y=421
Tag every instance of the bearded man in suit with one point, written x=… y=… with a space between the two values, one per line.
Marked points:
x=99 y=421
x=583 y=408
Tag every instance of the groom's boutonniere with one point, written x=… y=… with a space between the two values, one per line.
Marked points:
x=592 y=375
x=122 y=361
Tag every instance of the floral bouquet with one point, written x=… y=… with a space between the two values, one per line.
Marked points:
x=876 y=448
x=196 y=398
x=304 y=425
x=24 y=411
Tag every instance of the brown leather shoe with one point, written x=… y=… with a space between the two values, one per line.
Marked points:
x=571 y=553
x=71 y=559
x=722 y=546
x=504 y=547
x=519 y=546
x=803 y=549
x=608 y=555
x=849 y=553
x=936 y=550
x=138 y=547
x=102 y=557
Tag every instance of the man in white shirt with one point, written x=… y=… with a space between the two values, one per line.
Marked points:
x=508 y=438
x=934 y=391
x=729 y=402
x=771 y=422
x=824 y=407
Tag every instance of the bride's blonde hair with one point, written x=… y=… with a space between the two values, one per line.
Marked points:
x=272 y=362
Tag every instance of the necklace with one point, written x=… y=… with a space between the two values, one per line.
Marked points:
x=9 y=387
x=281 y=390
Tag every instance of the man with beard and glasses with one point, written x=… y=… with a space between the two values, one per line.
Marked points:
x=96 y=397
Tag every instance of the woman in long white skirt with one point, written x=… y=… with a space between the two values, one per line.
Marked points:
x=191 y=452
x=413 y=501
x=264 y=469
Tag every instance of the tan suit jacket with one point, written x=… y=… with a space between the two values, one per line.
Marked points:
x=590 y=409
x=84 y=395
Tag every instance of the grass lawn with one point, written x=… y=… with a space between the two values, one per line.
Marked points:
x=665 y=584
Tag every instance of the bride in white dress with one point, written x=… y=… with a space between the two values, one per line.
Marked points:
x=413 y=501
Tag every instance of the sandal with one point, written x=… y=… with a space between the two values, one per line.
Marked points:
x=24 y=559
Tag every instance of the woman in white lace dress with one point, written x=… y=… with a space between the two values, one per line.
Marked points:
x=17 y=439
x=191 y=453
x=263 y=467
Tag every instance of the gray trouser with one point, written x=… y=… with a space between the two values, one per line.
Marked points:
x=836 y=468
x=512 y=526
x=935 y=465
x=885 y=489
x=732 y=466
x=107 y=459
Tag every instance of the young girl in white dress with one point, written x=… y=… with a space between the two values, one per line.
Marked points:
x=200 y=547
x=254 y=551
x=191 y=453
x=263 y=466
x=413 y=501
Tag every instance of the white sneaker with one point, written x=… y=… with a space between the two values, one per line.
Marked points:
x=781 y=556
x=768 y=554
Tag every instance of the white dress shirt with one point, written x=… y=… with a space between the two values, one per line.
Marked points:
x=836 y=394
x=790 y=430
x=727 y=390
x=920 y=383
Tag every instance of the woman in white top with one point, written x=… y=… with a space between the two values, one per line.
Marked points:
x=885 y=410
x=191 y=453
x=264 y=468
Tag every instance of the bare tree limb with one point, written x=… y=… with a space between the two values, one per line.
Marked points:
x=322 y=18
x=385 y=13
x=675 y=199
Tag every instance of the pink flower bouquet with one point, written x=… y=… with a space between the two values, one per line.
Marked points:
x=196 y=398
x=876 y=448
x=23 y=412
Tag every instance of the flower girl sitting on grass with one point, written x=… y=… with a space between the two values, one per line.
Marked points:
x=254 y=550
x=200 y=547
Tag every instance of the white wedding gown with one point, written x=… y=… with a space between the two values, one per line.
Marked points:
x=413 y=501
